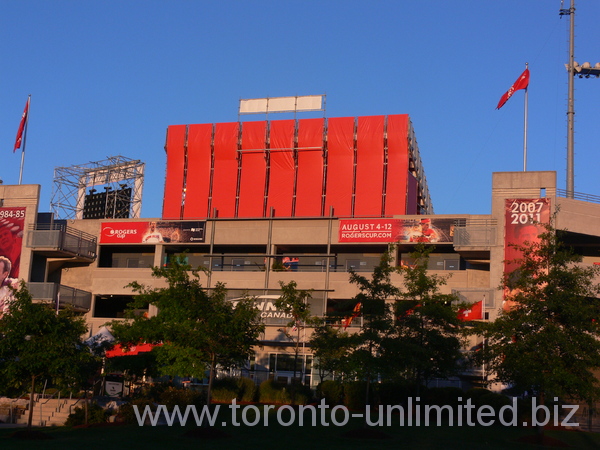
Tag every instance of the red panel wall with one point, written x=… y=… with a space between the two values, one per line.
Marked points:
x=309 y=184
x=282 y=173
x=207 y=190
x=411 y=194
x=175 y=165
x=225 y=171
x=252 y=182
x=369 y=167
x=397 y=171
x=197 y=186
x=340 y=162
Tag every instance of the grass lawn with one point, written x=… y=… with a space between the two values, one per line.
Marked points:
x=116 y=436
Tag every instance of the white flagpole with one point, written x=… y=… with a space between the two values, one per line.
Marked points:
x=525 y=125
x=24 y=138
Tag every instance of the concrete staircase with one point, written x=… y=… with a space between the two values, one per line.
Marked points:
x=48 y=412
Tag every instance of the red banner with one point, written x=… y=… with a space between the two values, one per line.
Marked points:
x=118 y=350
x=406 y=231
x=525 y=220
x=368 y=230
x=152 y=232
x=12 y=223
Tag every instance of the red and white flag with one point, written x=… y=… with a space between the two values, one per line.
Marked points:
x=475 y=312
x=521 y=83
x=21 y=127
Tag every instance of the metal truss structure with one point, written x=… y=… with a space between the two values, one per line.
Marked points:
x=121 y=179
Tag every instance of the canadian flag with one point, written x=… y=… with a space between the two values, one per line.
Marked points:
x=475 y=312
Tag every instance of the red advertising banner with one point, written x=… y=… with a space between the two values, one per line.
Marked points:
x=119 y=350
x=524 y=222
x=12 y=223
x=407 y=231
x=152 y=232
x=368 y=230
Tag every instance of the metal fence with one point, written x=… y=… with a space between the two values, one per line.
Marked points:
x=62 y=237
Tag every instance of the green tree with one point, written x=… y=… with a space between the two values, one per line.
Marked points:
x=198 y=330
x=549 y=341
x=37 y=343
x=296 y=303
x=330 y=346
x=427 y=335
x=365 y=358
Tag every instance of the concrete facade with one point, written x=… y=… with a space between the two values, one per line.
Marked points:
x=241 y=253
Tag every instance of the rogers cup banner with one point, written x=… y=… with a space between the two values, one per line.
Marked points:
x=406 y=231
x=152 y=232
x=12 y=223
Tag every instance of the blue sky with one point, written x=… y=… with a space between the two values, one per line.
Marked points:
x=108 y=77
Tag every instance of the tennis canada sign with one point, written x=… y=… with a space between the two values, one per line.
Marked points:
x=267 y=309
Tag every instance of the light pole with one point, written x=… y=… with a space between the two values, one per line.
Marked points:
x=574 y=69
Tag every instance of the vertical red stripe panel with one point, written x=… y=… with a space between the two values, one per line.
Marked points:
x=224 y=183
x=175 y=165
x=309 y=185
x=397 y=170
x=340 y=165
x=252 y=182
x=369 y=167
x=281 y=176
x=197 y=186
x=412 y=206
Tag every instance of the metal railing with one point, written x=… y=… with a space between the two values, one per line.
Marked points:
x=474 y=232
x=578 y=196
x=62 y=237
x=15 y=400
x=80 y=300
x=288 y=263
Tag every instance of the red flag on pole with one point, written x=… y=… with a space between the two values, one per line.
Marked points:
x=475 y=312
x=355 y=313
x=521 y=83
x=21 y=127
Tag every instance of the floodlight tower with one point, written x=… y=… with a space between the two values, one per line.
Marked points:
x=574 y=69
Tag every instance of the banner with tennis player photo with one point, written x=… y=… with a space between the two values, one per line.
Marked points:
x=405 y=231
x=12 y=223
x=152 y=232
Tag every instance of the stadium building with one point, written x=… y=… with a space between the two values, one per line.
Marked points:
x=264 y=202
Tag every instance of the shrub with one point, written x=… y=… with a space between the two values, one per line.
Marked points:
x=494 y=400
x=271 y=391
x=151 y=391
x=354 y=394
x=246 y=389
x=332 y=391
x=300 y=394
x=441 y=396
x=95 y=415
x=475 y=395
x=395 y=392
x=224 y=390
x=181 y=397
x=126 y=412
